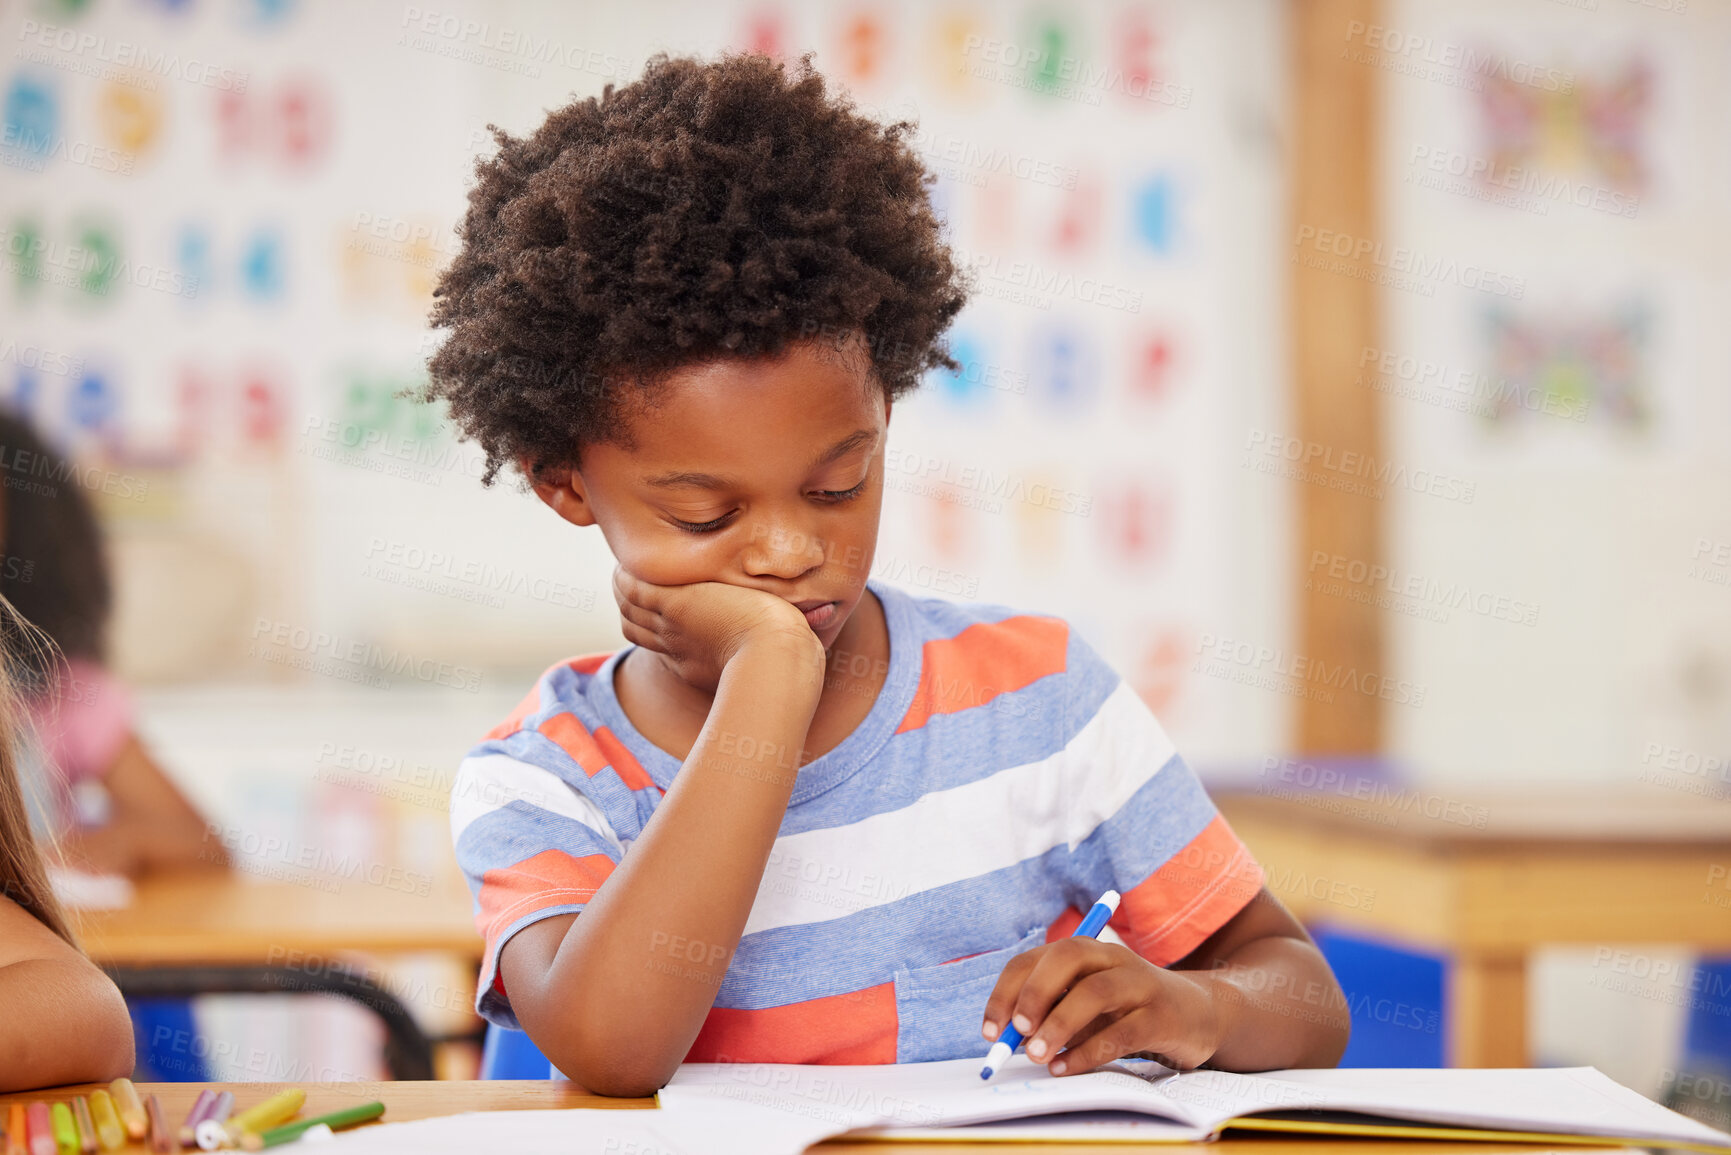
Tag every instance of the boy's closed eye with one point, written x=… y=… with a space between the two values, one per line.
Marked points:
x=823 y=496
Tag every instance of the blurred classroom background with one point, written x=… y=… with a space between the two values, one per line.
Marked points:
x=1346 y=372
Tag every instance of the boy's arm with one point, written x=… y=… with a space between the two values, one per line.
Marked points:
x=604 y=994
x=61 y=1019
x=1254 y=996
x=1276 y=1000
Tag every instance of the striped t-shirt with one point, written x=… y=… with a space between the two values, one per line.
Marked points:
x=1004 y=778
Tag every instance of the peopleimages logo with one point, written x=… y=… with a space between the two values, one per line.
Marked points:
x=22 y=148
x=1463 y=390
x=1025 y=282
x=501 y=46
x=1485 y=175
x=1347 y=470
x=126 y=54
x=1401 y=267
x=1269 y=667
x=40 y=359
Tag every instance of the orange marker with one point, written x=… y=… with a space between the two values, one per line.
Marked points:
x=15 y=1140
x=131 y=1108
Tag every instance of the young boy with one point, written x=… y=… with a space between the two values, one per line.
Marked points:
x=804 y=818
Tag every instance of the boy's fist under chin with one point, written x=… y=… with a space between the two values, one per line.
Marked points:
x=699 y=628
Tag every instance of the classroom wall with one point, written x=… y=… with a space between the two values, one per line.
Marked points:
x=282 y=194
x=1570 y=622
x=1556 y=594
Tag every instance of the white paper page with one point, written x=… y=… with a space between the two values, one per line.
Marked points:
x=926 y=1095
x=934 y=1095
x=1070 y=1127
x=699 y=1128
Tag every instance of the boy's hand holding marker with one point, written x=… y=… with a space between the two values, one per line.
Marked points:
x=1081 y=1003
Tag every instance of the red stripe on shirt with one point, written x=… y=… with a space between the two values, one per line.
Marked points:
x=595 y=752
x=588 y=663
x=983 y=661
x=551 y=878
x=531 y=703
x=571 y=736
x=1065 y=924
x=1193 y=894
x=854 y=1028
x=630 y=771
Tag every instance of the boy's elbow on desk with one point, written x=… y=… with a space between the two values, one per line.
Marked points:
x=609 y=1067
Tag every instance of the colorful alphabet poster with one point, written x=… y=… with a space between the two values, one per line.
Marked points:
x=225 y=221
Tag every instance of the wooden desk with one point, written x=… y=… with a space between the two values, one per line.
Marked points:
x=216 y=932
x=238 y=918
x=1490 y=878
x=408 y=1101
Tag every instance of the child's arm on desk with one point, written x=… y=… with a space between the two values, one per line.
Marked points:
x=600 y=993
x=61 y=1019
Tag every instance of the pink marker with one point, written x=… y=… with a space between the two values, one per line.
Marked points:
x=200 y=1109
x=41 y=1129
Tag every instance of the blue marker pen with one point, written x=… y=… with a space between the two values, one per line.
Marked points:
x=1011 y=1038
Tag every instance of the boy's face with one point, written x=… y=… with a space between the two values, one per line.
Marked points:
x=763 y=473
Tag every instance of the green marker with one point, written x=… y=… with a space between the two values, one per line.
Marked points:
x=335 y=1121
x=65 y=1130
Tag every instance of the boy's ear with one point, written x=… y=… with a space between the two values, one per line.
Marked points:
x=565 y=494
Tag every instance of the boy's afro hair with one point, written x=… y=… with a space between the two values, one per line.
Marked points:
x=708 y=210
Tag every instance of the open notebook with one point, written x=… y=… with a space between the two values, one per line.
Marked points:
x=1140 y=1100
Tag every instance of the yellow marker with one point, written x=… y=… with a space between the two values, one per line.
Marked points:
x=107 y=1120
x=131 y=1108
x=273 y=1112
x=65 y=1130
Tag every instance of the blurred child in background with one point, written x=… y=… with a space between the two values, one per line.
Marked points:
x=61 y=1019
x=111 y=807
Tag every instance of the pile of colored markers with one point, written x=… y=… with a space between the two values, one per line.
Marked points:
x=107 y=1120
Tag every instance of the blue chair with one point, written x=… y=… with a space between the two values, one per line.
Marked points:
x=1701 y=1086
x=1395 y=997
x=508 y=1054
x=167 y=1042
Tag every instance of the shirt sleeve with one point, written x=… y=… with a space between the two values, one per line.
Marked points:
x=1154 y=834
x=531 y=846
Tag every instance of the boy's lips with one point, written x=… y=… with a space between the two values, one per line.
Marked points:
x=818 y=614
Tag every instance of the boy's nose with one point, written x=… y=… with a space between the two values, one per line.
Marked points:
x=781 y=552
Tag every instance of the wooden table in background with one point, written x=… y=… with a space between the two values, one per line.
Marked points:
x=220 y=932
x=408 y=1101
x=1488 y=879
x=219 y=917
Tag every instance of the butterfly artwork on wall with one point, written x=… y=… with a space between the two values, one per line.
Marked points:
x=1596 y=127
x=1569 y=367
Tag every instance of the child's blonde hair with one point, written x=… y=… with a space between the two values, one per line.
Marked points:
x=23 y=874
